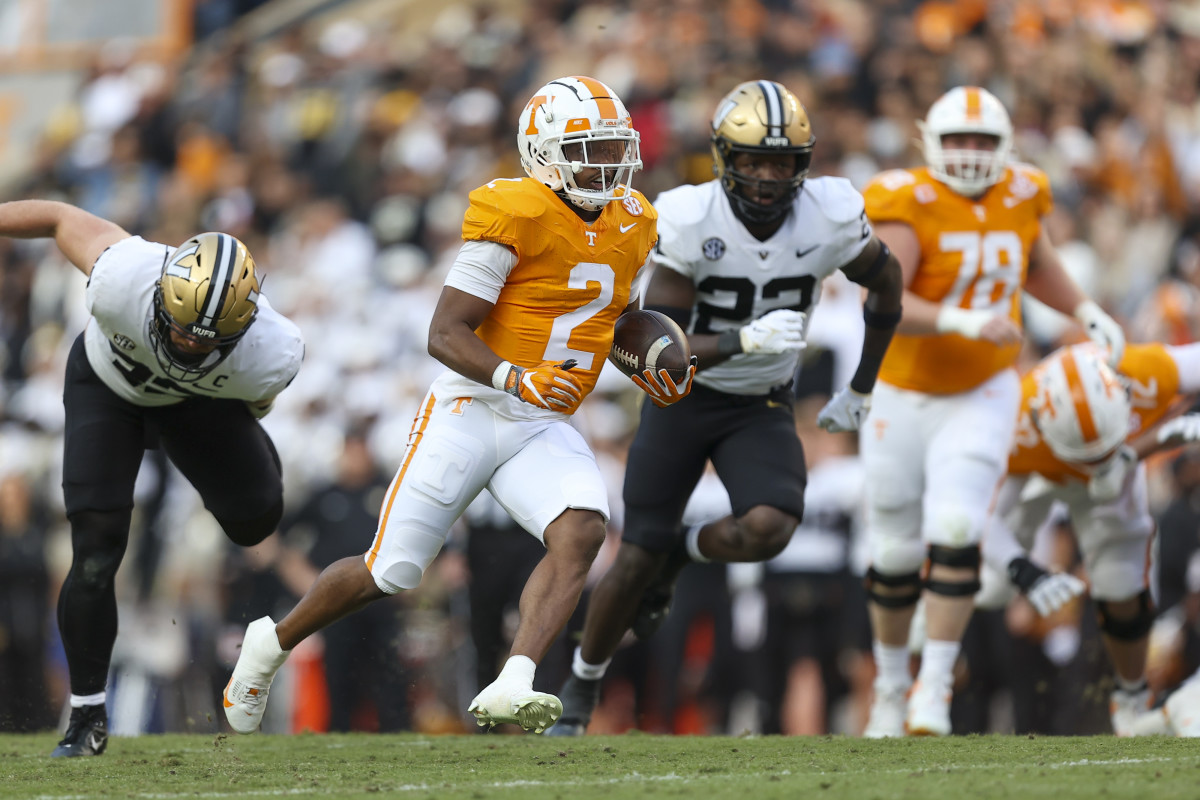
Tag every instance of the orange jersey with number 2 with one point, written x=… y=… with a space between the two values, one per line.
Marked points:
x=571 y=281
x=974 y=255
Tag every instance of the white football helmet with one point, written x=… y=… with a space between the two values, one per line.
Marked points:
x=583 y=110
x=967 y=109
x=1081 y=407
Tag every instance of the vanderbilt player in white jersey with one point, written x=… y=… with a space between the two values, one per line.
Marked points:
x=739 y=264
x=181 y=352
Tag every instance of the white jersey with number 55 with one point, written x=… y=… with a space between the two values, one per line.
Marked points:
x=739 y=278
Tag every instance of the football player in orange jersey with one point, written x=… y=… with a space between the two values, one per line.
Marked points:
x=739 y=264
x=967 y=229
x=1082 y=431
x=524 y=323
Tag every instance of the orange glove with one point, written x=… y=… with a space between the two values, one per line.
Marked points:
x=662 y=390
x=549 y=385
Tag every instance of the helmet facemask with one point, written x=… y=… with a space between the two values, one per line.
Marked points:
x=208 y=292
x=742 y=188
x=615 y=155
x=761 y=118
x=967 y=110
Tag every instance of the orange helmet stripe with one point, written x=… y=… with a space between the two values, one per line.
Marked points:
x=1083 y=411
x=608 y=109
x=974 y=104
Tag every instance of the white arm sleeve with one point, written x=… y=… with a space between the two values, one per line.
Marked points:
x=481 y=269
x=639 y=280
x=1187 y=361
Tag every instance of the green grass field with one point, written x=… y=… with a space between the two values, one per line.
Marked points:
x=633 y=766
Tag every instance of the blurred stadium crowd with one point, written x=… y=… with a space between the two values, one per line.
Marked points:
x=342 y=150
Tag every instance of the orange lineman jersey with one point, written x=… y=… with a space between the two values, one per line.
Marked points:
x=1154 y=383
x=571 y=280
x=974 y=255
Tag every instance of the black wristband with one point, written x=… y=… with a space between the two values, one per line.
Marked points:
x=1024 y=573
x=729 y=343
x=881 y=320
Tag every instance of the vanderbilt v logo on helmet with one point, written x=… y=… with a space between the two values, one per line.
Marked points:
x=207 y=293
x=761 y=117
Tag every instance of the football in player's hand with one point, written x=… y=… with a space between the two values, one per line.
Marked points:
x=649 y=340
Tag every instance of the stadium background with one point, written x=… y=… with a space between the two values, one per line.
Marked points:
x=339 y=140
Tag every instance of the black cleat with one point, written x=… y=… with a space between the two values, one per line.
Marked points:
x=87 y=733
x=579 y=699
x=656 y=599
x=653 y=609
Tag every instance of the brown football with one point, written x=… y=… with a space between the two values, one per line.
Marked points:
x=648 y=339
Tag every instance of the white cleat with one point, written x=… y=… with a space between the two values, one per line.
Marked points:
x=245 y=696
x=501 y=702
x=1183 y=710
x=928 y=710
x=887 y=712
x=1152 y=723
x=1126 y=708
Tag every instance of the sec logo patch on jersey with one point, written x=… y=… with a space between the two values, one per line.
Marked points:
x=633 y=206
x=713 y=248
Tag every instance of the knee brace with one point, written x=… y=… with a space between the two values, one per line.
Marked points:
x=958 y=558
x=249 y=532
x=911 y=581
x=1132 y=628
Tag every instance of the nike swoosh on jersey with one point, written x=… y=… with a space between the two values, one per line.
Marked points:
x=802 y=253
x=628 y=228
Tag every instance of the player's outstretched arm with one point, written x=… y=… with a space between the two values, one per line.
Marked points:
x=1049 y=282
x=80 y=235
x=879 y=272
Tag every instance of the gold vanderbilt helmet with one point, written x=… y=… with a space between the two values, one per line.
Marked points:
x=761 y=118
x=207 y=295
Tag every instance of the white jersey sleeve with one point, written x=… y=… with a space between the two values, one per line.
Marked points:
x=846 y=225
x=481 y=269
x=120 y=298
x=681 y=216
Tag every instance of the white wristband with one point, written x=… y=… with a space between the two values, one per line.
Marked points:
x=1087 y=311
x=500 y=375
x=961 y=321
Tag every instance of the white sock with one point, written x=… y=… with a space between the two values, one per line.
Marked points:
x=692 y=538
x=1124 y=685
x=518 y=668
x=891 y=664
x=81 y=700
x=937 y=662
x=585 y=671
x=267 y=648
